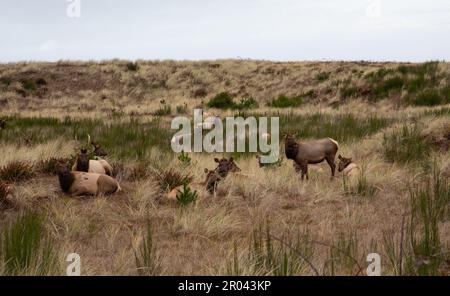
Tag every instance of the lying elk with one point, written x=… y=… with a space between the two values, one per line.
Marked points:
x=311 y=152
x=84 y=164
x=213 y=177
x=348 y=167
x=81 y=183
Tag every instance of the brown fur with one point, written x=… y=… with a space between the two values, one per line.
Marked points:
x=84 y=164
x=347 y=167
x=81 y=183
x=311 y=152
x=213 y=177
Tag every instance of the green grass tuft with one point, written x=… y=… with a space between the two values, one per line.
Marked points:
x=26 y=248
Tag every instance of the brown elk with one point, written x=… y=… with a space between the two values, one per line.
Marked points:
x=213 y=177
x=348 y=167
x=84 y=164
x=81 y=183
x=311 y=152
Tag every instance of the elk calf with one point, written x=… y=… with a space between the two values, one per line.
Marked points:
x=348 y=167
x=213 y=177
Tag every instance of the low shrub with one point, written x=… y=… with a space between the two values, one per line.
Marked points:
x=222 y=101
x=16 y=171
x=283 y=101
x=186 y=196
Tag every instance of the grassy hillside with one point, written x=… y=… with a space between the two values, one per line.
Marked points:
x=137 y=88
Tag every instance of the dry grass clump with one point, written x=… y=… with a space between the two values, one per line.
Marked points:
x=5 y=191
x=51 y=166
x=16 y=171
x=170 y=178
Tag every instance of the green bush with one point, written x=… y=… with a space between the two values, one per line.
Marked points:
x=225 y=101
x=247 y=103
x=283 y=101
x=430 y=97
x=28 y=84
x=186 y=196
x=184 y=158
x=322 y=76
x=222 y=101
x=422 y=83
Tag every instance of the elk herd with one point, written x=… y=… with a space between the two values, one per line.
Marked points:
x=95 y=176
x=87 y=176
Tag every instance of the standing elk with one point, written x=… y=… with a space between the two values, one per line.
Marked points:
x=311 y=152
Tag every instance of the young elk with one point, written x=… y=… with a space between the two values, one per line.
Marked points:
x=348 y=167
x=224 y=167
x=84 y=164
x=81 y=183
x=213 y=177
x=311 y=152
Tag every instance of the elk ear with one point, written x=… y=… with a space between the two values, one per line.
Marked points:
x=339 y=156
x=206 y=171
x=231 y=159
x=216 y=159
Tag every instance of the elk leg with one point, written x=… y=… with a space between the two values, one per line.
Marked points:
x=332 y=165
x=305 y=168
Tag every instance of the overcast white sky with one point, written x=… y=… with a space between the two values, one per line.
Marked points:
x=406 y=30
